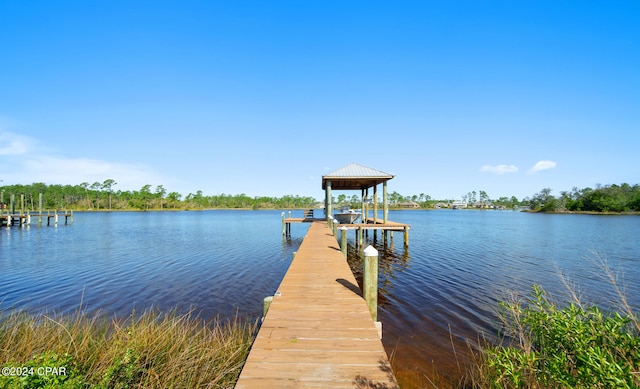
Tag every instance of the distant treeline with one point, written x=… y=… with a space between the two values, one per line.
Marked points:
x=608 y=198
x=101 y=196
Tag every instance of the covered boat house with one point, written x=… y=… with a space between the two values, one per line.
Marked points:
x=366 y=180
x=357 y=177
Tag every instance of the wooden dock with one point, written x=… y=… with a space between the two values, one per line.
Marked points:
x=25 y=219
x=318 y=331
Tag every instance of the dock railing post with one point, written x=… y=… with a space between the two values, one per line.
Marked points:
x=343 y=240
x=370 y=280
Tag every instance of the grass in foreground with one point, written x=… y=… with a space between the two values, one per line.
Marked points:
x=151 y=350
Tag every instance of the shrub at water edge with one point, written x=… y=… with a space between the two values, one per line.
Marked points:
x=572 y=347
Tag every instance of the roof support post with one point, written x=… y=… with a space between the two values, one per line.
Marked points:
x=385 y=203
x=362 y=202
x=375 y=204
x=327 y=201
x=365 y=210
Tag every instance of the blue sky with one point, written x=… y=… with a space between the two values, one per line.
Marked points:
x=264 y=98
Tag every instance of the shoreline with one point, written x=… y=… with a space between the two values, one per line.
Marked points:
x=627 y=213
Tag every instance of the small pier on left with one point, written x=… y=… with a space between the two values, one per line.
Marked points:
x=27 y=218
x=10 y=217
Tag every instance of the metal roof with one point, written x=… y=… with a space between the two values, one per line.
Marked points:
x=355 y=176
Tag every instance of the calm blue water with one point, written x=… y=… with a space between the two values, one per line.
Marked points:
x=443 y=289
x=216 y=262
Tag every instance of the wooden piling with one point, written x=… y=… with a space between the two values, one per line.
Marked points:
x=370 y=280
x=406 y=236
x=343 y=240
x=266 y=303
x=39 y=208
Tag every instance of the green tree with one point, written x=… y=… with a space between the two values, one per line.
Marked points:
x=160 y=193
x=97 y=188
x=85 y=187
x=472 y=197
x=108 y=185
x=173 y=198
x=484 y=198
x=145 y=196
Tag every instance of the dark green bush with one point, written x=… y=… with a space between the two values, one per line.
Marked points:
x=573 y=347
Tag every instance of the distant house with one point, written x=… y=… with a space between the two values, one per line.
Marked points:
x=483 y=205
x=409 y=204
x=459 y=204
x=440 y=205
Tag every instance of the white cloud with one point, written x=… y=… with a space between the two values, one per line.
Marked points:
x=499 y=169
x=542 y=165
x=14 y=144
x=73 y=171
x=22 y=161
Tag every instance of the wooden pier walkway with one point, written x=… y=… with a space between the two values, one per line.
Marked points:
x=318 y=331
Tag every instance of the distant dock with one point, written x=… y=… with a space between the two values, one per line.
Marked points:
x=27 y=218
x=9 y=217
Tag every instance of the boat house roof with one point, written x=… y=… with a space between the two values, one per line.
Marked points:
x=355 y=176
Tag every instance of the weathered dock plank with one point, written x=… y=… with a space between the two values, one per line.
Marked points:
x=318 y=331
